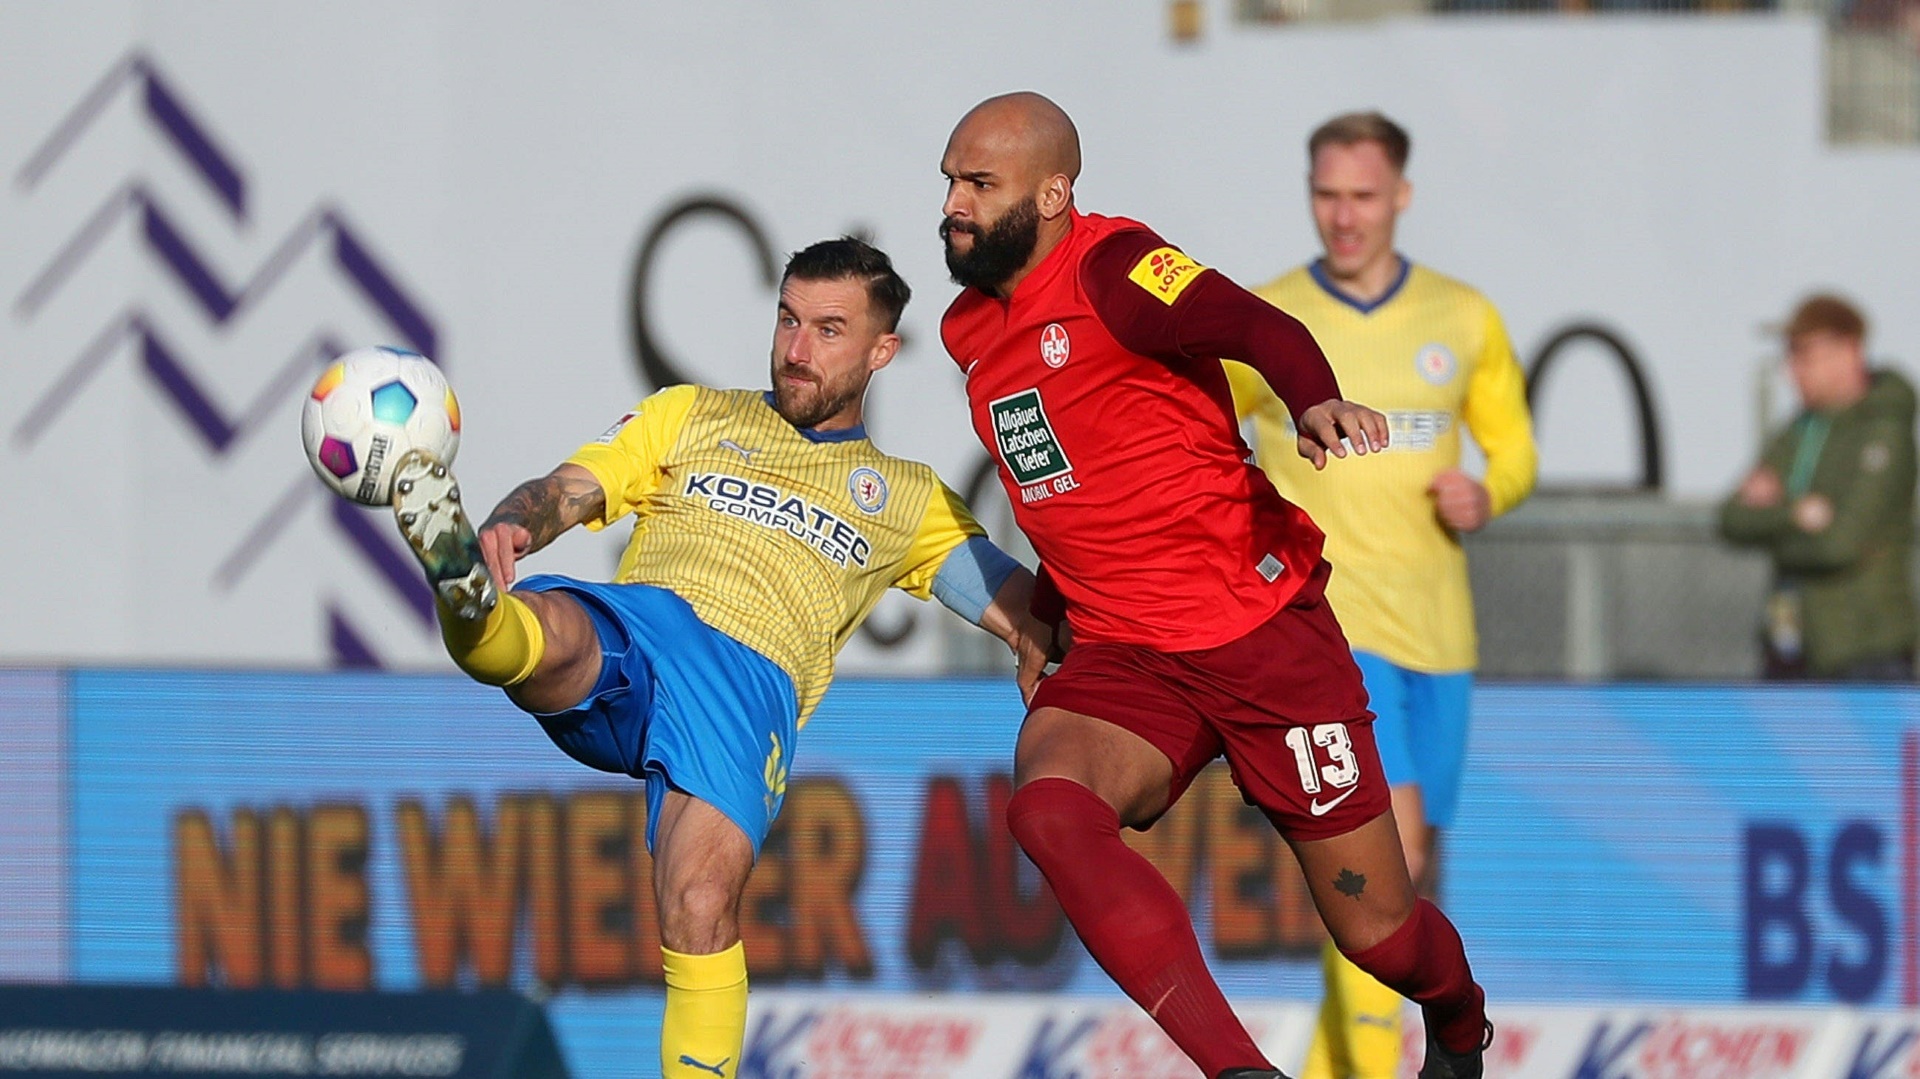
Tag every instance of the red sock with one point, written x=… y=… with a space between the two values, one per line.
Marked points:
x=1425 y=962
x=1130 y=918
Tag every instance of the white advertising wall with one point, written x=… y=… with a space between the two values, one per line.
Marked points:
x=202 y=200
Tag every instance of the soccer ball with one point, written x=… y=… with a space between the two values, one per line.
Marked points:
x=367 y=410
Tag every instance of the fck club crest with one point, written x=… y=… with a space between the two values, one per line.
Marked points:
x=1054 y=346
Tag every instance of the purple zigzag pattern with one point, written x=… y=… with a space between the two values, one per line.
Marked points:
x=394 y=563
x=349 y=648
x=388 y=558
x=168 y=112
x=163 y=365
x=170 y=115
x=220 y=301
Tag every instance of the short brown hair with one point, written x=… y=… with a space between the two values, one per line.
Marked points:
x=1350 y=128
x=1823 y=311
x=851 y=258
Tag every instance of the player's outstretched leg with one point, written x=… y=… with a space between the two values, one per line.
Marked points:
x=496 y=639
x=701 y=860
x=1073 y=771
x=1360 y=884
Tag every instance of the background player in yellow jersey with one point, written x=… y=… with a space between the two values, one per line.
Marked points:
x=766 y=528
x=1431 y=353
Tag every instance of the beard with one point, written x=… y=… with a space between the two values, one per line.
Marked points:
x=999 y=250
x=811 y=403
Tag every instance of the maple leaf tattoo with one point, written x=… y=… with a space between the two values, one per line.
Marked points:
x=1350 y=884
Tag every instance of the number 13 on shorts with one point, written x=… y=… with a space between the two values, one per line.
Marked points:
x=1343 y=769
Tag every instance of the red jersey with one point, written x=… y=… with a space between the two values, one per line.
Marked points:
x=1098 y=389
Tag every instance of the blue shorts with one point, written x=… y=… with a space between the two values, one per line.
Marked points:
x=679 y=704
x=1420 y=726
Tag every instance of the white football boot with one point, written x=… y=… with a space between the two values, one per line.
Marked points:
x=426 y=502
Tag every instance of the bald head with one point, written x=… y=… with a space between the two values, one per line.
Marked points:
x=1024 y=129
x=1010 y=166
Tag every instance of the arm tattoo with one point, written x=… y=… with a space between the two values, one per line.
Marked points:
x=549 y=506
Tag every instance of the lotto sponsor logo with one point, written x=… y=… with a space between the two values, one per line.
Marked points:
x=1165 y=273
x=769 y=507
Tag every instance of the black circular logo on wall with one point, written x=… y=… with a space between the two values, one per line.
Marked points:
x=658 y=370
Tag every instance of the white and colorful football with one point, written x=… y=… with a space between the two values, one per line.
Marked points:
x=370 y=407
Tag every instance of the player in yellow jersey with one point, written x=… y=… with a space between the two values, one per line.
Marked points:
x=766 y=528
x=1432 y=354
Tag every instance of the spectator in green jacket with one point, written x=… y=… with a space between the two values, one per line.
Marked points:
x=1832 y=502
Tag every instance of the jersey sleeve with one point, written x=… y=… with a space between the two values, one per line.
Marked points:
x=627 y=460
x=944 y=525
x=1158 y=302
x=1496 y=413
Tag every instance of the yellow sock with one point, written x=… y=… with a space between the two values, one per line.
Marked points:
x=1327 y=1053
x=1326 y=1034
x=1370 y=1018
x=706 y=1019
x=503 y=650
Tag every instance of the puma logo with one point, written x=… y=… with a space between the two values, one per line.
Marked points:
x=746 y=454
x=719 y=1069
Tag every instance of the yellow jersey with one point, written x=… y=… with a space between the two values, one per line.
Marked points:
x=1431 y=354
x=780 y=538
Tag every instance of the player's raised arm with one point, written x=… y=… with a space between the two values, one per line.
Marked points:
x=535 y=514
x=603 y=481
x=1158 y=302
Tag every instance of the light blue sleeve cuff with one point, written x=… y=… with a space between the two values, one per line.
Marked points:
x=971 y=576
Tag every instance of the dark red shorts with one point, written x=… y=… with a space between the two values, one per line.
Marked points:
x=1284 y=703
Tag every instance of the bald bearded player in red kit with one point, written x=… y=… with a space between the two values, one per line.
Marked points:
x=1194 y=592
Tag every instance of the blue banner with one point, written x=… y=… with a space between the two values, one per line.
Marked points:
x=1617 y=843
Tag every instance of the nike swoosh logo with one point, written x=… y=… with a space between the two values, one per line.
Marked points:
x=1322 y=810
x=970 y=367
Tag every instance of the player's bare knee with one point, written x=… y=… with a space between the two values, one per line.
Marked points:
x=698 y=916
x=1360 y=928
